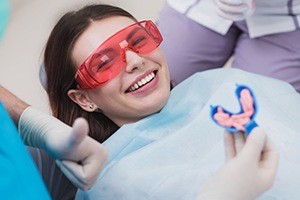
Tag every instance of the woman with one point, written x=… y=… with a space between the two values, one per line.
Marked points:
x=120 y=82
x=68 y=103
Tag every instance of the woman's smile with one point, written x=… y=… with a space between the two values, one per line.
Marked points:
x=142 y=83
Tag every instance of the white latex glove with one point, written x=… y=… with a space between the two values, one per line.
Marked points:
x=235 y=10
x=80 y=157
x=249 y=171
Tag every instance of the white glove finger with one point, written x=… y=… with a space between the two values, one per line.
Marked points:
x=232 y=8
x=260 y=151
x=70 y=175
x=92 y=165
x=231 y=16
x=239 y=139
x=88 y=170
x=231 y=2
x=87 y=178
x=229 y=146
x=80 y=130
x=255 y=144
x=270 y=156
x=269 y=164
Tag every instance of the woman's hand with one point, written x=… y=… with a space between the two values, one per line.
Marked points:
x=249 y=171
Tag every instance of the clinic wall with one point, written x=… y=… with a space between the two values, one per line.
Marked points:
x=29 y=27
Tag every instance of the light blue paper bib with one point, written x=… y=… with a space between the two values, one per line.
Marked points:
x=169 y=155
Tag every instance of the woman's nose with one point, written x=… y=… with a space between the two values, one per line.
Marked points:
x=133 y=60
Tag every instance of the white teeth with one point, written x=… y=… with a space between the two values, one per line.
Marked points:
x=142 y=82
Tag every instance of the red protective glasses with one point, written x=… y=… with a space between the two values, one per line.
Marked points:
x=109 y=58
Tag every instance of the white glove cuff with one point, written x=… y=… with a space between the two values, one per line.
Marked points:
x=34 y=126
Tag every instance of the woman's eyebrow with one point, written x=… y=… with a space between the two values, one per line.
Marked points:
x=104 y=51
x=131 y=34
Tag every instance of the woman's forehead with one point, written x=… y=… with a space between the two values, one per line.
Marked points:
x=96 y=34
x=103 y=29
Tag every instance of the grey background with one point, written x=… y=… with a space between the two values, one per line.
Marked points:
x=29 y=27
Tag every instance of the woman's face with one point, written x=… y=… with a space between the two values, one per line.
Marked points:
x=116 y=98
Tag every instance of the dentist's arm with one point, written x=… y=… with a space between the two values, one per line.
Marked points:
x=13 y=104
x=249 y=171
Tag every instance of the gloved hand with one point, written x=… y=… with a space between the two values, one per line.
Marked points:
x=235 y=10
x=249 y=171
x=80 y=157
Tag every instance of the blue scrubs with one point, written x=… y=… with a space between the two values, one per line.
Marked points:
x=19 y=176
x=4 y=13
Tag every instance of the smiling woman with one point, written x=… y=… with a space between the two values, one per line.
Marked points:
x=126 y=85
x=104 y=65
x=135 y=58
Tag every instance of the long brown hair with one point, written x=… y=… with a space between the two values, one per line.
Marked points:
x=60 y=69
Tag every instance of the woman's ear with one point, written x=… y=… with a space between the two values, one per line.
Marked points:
x=80 y=98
